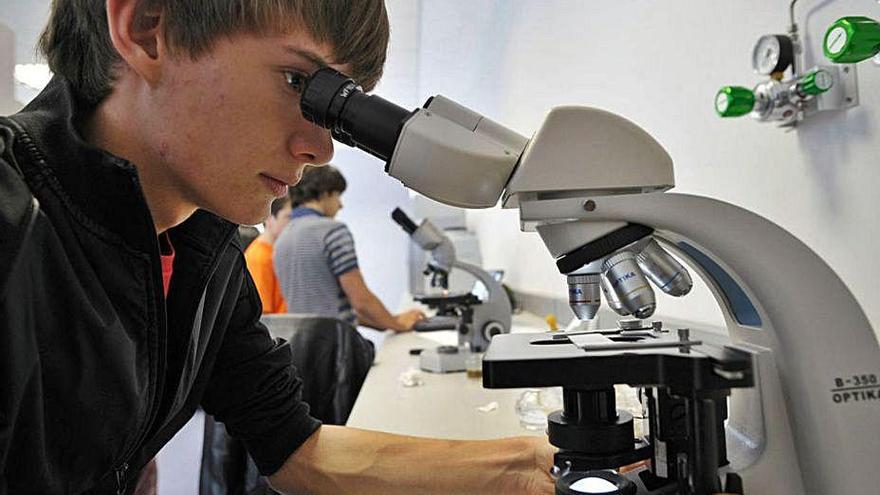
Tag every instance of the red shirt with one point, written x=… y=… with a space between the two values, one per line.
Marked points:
x=167 y=252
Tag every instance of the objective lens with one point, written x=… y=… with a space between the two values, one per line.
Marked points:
x=629 y=284
x=664 y=270
x=583 y=295
x=334 y=101
x=611 y=298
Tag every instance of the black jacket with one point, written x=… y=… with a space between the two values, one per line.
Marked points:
x=97 y=369
x=337 y=359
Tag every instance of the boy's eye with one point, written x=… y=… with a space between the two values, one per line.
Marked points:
x=296 y=80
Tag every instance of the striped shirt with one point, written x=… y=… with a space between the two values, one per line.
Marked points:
x=310 y=256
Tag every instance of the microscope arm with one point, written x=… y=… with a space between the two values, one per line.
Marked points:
x=496 y=308
x=775 y=294
x=490 y=317
x=492 y=285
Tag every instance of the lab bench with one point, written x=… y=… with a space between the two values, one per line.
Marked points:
x=445 y=405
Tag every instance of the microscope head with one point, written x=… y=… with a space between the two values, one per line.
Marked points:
x=587 y=152
x=430 y=238
x=458 y=157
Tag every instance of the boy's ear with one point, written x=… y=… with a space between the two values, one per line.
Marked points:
x=137 y=33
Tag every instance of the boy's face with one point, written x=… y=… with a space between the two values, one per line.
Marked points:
x=332 y=203
x=227 y=127
x=275 y=223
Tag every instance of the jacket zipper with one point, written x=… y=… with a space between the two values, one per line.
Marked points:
x=155 y=403
x=122 y=470
x=120 y=478
x=31 y=221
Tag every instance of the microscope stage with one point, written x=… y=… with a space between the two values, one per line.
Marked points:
x=607 y=358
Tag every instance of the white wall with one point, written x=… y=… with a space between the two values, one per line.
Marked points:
x=7 y=68
x=660 y=65
x=381 y=245
x=27 y=18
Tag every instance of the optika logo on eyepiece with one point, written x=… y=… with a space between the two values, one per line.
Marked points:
x=576 y=291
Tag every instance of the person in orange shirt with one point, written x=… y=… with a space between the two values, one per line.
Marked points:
x=258 y=257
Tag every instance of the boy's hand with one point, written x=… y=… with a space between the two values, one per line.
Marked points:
x=407 y=320
x=537 y=480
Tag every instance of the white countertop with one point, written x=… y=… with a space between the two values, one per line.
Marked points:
x=446 y=406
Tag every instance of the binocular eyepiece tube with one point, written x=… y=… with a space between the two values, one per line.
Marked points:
x=334 y=101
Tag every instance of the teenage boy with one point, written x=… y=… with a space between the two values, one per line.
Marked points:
x=258 y=257
x=317 y=264
x=124 y=298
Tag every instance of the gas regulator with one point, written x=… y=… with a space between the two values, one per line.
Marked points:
x=789 y=94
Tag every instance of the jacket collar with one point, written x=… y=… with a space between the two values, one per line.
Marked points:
x=97 y=186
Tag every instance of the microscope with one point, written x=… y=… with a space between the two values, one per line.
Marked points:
x=476 y=320
x=784 y=403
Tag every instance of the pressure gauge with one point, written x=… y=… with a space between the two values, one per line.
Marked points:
x=772 y=53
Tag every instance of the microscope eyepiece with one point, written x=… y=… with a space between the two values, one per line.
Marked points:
x=324 y=96
x=404 y=221
x=335 y=101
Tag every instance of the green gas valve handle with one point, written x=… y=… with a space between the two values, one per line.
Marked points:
x=852 y=39
x=734 y=101
x=816 y=82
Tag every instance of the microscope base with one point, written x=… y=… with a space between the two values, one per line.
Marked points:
x=443 y=359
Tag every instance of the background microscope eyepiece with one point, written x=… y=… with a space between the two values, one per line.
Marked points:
x=334 y=101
